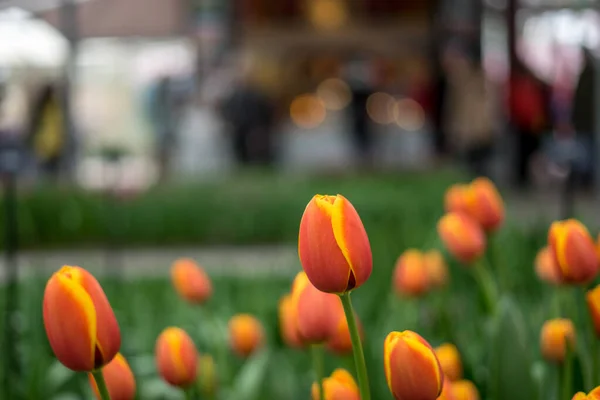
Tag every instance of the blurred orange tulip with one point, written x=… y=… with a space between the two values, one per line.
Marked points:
x=74 y=299
x=464 y=390
x=447 y=393
x=592 y=298
x=411 y=277
x=593 y=395
x=412 y=369
x=176 y=357
x=316 y=312
x=119 y=380
x=288 y=322
x=546 y=267
x=437 y=269
x=485 y=204
x=191 y=281
x=462 y=236
x=245 y=334
x=455 y=198
x=339 y=386
x=449 y=358
x=333 y=245
x=556 y=335
x=339 y=341
x=574 y=251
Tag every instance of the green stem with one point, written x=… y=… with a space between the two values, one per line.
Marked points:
x=101 y=383
x=359 y=356
x=188 y=394
x=594 y=350
x=556 y=300
x=486 y=285
x=567 y=367
x=497 y=260
x=221 y=350
x=317 y=356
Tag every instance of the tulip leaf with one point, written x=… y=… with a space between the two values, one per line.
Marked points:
x=249 y=381
x=510 y=360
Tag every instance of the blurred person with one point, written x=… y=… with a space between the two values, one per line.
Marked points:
x=359 y=77
x=250 y=114
x=468 y=111
x=529 y=103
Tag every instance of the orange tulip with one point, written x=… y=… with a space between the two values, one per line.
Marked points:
x=245 y=334
x=449 y=358
x=556 y=335
x=316 y=312
x=546 y=267
x=455 y=198
x=119 y=380
x=485 y=204
x=80 y=324
x=207 y=375
x=339 y=386
x=574 y=251
x=412 y=369
x=339 y=341
x=464 y=390
x=447 y=393
x=333 y=245
x=288 y=325
x=176 y=357
x=191 y=281
x=462 y=236
x=593 y=395
x=592 y=298
x=437 y=270
x=411 y=277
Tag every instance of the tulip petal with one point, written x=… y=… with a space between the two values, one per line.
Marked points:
x=70 y=321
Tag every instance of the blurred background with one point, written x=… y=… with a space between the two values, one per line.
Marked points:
x=134 y=132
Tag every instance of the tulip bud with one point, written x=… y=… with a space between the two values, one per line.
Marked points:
x=574 y=251
x=485 y=204
x=546 y=267
x=437 y=270
x=119 y=380
x=73 y=298
x=455 y=198
x=462 y=236
x=556 y=335
x=176 y=357
x=288 y=325
x=340 y=341
x=339 y=386
x=410 y=276
x=333 y=245
x=449 y=358
x=592 y=298
x=411 y=368
x=191 y=281
x=593 y=395
x=207 y=375
x=316 y=314
x=245 y=334
x=464 y=390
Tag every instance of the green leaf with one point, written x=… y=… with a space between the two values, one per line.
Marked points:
x=510 y=359
x=249 y=381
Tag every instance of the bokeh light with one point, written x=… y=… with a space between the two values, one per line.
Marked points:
x=408 y=114
x=334 y=93
x=307 y=111
x=328 y=14
x=380 y=107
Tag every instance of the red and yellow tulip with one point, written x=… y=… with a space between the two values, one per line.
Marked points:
x=79 y=321
x=464 y=390
x=592 y=298
x=333 y=245
x=546 y=267
x=462 y=236
x=411 y=276
x=449 y=358
x=484 y=204
x=191 y=281
x=593 y=395
x=288 y=322
x=246 y=334
x=316 y=314
x=176 y=357
x=339 y=386
x=556 y=336
x=119 y=380
x=455 y=198
x=437 y=270
x=574 y=251
x=412 y=369
x=339 y=341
